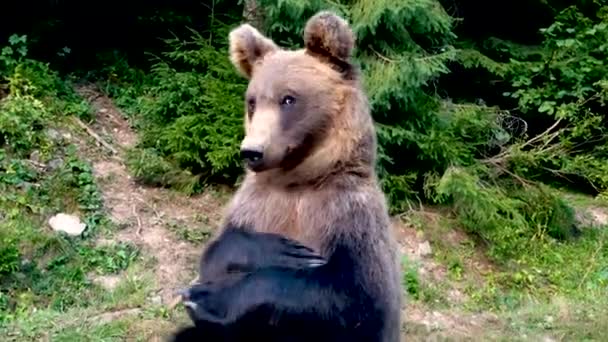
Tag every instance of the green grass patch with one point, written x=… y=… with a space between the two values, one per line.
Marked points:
x=198 y=231
x=546 y=266
x=561 y=319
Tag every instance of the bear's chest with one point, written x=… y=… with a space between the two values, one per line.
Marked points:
x=285 y=214
x=295 y=215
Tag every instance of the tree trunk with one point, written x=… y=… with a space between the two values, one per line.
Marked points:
x=253 y=15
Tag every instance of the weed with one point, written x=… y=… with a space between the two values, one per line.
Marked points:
x=194 y=235
x=149 y=168
x=411 y=282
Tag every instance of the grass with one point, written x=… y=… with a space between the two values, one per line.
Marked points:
x=108 y=318
x=561 y=318
x=559 y=291
x=186 y=232
x=48 y=276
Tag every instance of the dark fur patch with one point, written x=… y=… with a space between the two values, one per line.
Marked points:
x=297 y=155
x=329 y=38
x=240 y=250
x=346 y=69
x=329 y=298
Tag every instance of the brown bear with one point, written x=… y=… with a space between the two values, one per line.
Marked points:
x=310 y=151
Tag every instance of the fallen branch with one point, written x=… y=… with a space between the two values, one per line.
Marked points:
x=505 y=170
x=36 y=164
x=159 y=216
x=531 y=141
x=381 y=56
x=94 y=135
x=139 y=225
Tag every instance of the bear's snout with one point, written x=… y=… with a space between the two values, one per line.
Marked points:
x=253 y=157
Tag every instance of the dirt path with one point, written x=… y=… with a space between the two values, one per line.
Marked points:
x=144 y=213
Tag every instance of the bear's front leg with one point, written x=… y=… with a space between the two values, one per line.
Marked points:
x=240 y=250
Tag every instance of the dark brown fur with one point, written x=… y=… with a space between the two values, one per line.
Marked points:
x=318 y=185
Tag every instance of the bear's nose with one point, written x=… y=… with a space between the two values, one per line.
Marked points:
x=252 y=156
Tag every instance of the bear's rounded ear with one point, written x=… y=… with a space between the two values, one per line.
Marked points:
x=329 y=37
x=247 y=46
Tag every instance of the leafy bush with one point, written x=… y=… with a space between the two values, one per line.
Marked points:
x=9 y=256
x=150 y=168
x=190 y=112
x=567 y=89
x=501 y=196
x=21 y=120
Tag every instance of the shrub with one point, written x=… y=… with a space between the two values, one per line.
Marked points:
x=191 y=111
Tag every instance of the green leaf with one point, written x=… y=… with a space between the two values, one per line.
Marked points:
x=16 y=39
x=547 y=107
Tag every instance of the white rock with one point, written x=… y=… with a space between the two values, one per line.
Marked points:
x=424 y=249
x=68 y=224
x=156 y=300
x=109 y=282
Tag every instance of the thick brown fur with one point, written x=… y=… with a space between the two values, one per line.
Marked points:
x=318 y=185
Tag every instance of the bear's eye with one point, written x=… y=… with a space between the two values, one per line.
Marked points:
x=288 y=100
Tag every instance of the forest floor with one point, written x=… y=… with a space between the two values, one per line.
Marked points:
x=443 y=272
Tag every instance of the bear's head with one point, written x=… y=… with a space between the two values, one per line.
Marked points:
x=306 y=113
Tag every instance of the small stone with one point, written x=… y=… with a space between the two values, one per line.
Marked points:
x=424 y=249
x=25 y=185
x=103 y=110
x=53 y=134
x=156 y=300
x=109 y=282
x=68 y=224
x=35 y=156
x=54 y=164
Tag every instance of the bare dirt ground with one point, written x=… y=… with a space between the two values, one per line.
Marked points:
x=144 y=215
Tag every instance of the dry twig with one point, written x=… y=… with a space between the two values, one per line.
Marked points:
x=177 y=299
x=95 y=135
x=139 y=225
